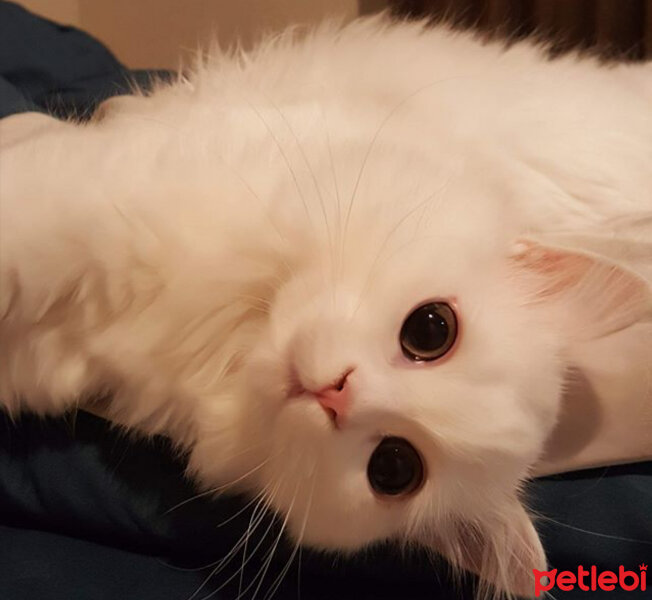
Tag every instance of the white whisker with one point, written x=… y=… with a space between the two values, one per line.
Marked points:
x=268 y=561
x=372 y=144
x=223 y=562
x=286 y=160
x=279 y=579
x=218 y=488
x=596 y=533
x=423 y=204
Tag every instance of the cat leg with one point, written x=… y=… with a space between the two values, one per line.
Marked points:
x=44 y=274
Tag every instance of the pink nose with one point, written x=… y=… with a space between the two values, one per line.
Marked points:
x=335 y=399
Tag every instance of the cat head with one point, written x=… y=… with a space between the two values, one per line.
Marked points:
x=408 y=374
x=399 y=361
x=403 y=381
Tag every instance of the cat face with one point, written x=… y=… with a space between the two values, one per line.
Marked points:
x=394 y=391
x=400 y=380
x=342 y=369
x=411 y=361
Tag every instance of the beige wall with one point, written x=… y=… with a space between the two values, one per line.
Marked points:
x=160 y=33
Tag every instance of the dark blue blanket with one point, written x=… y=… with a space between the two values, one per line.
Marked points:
x=84 y=509
x=56 y=69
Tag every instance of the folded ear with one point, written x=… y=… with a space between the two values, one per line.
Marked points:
x=597 y=285
x=502 y=549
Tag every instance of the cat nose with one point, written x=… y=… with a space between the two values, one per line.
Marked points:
x=335 y=399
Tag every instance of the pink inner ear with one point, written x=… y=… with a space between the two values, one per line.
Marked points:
x=560 y=270
x=598 y=297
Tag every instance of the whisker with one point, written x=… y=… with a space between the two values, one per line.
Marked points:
x=279 y=579
x=311 y=171
x=595 y=533
x=268 y=561
x=285 y=159
x=219 y=487
x=424 y=203
x=407 y=245
x=223 y=562
x=244 y=553
x=237 y=545
x=249 y=189
x=182 y=135
x=305 y=160
x=240 y=511
x=240 y=543
x=372 y=144
x=337 y=197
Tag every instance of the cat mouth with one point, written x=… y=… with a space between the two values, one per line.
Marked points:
x=332 y=415
x=335 y=399
x=309 y=400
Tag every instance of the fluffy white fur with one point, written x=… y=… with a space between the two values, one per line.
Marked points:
x=282 y=211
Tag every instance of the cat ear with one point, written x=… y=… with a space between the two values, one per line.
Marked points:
x=502 y=550
x=598 y=284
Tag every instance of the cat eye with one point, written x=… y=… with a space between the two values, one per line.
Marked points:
x=429 y=332
x=395 y=467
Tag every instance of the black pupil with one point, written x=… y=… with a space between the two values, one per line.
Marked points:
x=428 y=332
x=394 y=467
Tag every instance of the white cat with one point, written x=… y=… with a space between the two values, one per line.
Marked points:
x=347 y=271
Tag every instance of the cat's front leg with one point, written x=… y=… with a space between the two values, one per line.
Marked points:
x=95 y=301
x=45 y=270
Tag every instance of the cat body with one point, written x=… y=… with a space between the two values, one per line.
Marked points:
x=215 y=255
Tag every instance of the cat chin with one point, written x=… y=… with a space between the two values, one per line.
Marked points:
x=359 y=520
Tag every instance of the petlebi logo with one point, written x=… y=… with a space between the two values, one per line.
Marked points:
x=591 y=580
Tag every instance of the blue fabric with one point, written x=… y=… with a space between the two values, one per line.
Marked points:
x=85 y=512
x=84 y=508
x=56 y=69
